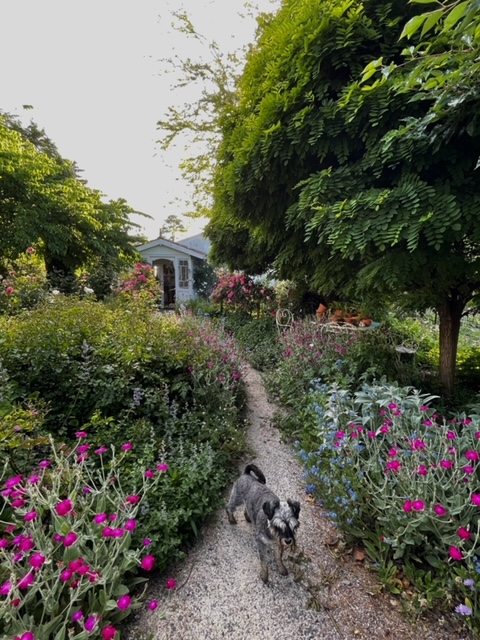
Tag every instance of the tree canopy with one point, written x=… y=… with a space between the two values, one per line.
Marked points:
x=43 y=202
x=350 y=159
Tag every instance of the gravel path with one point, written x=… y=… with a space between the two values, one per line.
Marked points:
x=221 y=594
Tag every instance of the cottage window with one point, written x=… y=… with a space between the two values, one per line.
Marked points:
x=183 y=274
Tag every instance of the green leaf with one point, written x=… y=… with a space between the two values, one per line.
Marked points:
x=455 y=15
x=61 y=634
x=431 y=21
x=412 y=26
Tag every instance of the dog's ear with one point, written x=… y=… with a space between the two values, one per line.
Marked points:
x=294 y=506
x=270 y=507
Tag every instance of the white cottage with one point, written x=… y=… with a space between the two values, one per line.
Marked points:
x=174 y=264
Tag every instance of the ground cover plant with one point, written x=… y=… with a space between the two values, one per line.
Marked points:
x=393 y=473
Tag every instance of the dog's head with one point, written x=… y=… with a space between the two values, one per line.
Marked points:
x=283 y=520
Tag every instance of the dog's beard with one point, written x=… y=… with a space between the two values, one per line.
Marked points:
x=284 y=524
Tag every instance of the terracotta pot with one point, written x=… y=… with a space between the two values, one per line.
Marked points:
x=322 y=308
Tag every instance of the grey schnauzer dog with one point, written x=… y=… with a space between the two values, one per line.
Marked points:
x=275 y=521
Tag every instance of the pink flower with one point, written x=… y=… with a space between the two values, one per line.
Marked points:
x=394 y=465
x=153 y=605
x=171 y=584
x=149 y=474
x=37 y=560
x=422 y=470
x=451 y=435
x=91 y=623
x=162 y=467
x=4 y=543
x=101 y=450
x=34 y=480
x=100 y=517
x=58 y=538
x=44 y=464
x=148 y=562
x=113 y=517
x=474 y=456
x=31 y=515
x=64 y=508
x=66 y=575
x=30 y=250
x=446 y=464
x=147 y=542
x=392 y=405
x=78 y=615
x=464 y=534
x=428 y=423
x=70 y=539
x=418 y=505
x=81 y=434
x=109 y=633
x=418 y=445
x=372 y=434
x=455 y=553
x=476 y=499
x=13 y=482
x=107 y=532
x=340 y=434
x=439 y=510
x=132 y=499
x=83 y=448
x=130 y=525
x=384 y=428
x=26 y=581
x=9 y=290
x=76 y=564
x=117 y=533
x=5 y=588
x=468 y=469
x=127 y=446
x=393 y=453
x=18 y=503
x=124 y=603
x=28 y=635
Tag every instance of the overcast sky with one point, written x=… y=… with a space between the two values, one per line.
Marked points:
x=92 y=71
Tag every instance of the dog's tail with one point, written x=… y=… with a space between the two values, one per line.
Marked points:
x=258 y=474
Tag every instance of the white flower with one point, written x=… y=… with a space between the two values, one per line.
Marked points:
x=55 y=292
x=88 y=290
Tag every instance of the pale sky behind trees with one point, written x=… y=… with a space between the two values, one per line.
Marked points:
x=94 y=74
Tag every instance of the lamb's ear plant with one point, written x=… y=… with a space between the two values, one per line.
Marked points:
x=67 y=567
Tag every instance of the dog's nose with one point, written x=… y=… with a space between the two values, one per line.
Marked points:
x=288 y=541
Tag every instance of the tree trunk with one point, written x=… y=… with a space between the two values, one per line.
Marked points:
x=450 y=315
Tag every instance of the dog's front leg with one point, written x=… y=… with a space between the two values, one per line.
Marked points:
x=282 y=569
x=263 y=553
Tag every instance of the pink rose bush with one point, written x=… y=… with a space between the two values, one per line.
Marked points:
x=140 y=284
x=408 y=472
x=58 y=569
x=240 y=292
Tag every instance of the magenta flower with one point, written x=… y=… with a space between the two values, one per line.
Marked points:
x=113 y=517
x=468 y=470
x=464 y=534
x=394 y=465
x=418 y=505
x=81 y=434
x=66 y=575
x=451 y=435
x=83 y=448
x=372 y=434
x=127 y=446
x=424 y=408
x=455 y=553
x=26 y=581
x=340 y=434
x=393 y=453
x=392 y=405
x=124 y=602
x=476 y=499
x=422 y=470
x=107 y=532
x=162 y=467
x=13 y=482
x=78 y=615
x=446 y=464
x=130 y=525
x=418 y=445
x=28 y=635
x=153 y=605
x=100 y=518
x=70 y=539
x=44 y=464
x=91 y=623
x=171 y=584
x=109 y=633
x=76 y=564
x=148 y=562
x=149 y=474
x=37 y=560
x=4 y=543
x=58 y=538
x=384 y=428
x=101 y=450
x=132 y=499
x=5 y=588
x=117 y=533
x=26 y=544
x=147 y=542
x=428 y=423
x=474 y=456
x=439 y=510
x=31 y=515
x=64 y=508
x=34 y=480
x=18 y=503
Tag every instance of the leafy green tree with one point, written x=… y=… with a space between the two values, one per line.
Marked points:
x=171 y=226
x=361 y=188
x=44 y=203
